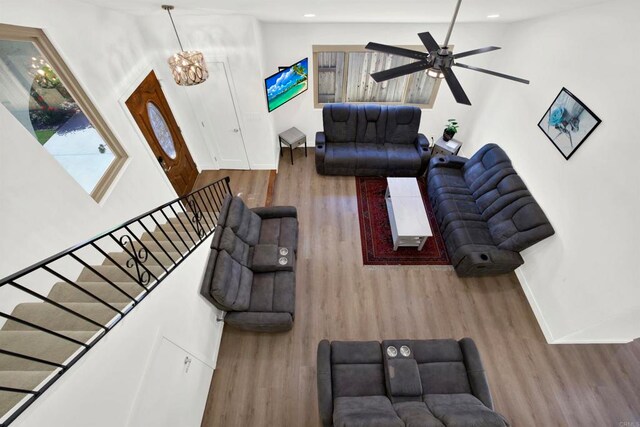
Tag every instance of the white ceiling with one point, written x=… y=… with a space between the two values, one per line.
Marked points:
x=428 y=11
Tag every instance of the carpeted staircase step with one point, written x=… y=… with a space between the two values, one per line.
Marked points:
x=40 y=345
x=27 y=380
x=170 y=235
x=155 y=247
x=53 y=318
x=175 y=225
x=115 y=273
x=165 y=244
x=64 y=292
x=122 y=257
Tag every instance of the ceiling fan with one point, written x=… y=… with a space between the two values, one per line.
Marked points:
x=438 y=60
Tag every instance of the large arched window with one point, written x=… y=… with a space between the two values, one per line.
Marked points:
x=38 y=89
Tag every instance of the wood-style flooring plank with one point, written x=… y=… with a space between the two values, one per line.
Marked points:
x=270 y=379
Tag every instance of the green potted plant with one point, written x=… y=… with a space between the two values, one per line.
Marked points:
x=450 y=130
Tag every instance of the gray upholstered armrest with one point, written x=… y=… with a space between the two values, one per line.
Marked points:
x=422 y=145
x=449 y=161
x=325 y=396
x=260 y=321
x=266 y=259
x=475 y=372
x=320 y=151
x=268 y=212
x=423 y=142
x=477 y=260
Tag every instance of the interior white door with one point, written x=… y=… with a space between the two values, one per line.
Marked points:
x=174 y=389
x=219 y=118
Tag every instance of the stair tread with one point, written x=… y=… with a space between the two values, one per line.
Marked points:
x=26 y=380
x=40 y=345
x=63 y=292
x=52 y=317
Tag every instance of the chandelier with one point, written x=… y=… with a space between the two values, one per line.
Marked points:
x=187 y=67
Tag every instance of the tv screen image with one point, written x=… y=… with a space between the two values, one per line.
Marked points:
x=286 y=84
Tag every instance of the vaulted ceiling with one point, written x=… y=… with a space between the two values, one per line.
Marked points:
x=428 y=11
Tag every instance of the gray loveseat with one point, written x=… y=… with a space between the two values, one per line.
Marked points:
x=485 y=212
x=247 y=275
x=439 y=383
x=371 y=140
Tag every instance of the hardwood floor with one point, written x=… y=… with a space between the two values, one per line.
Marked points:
x=270 y=379
x=252 y=184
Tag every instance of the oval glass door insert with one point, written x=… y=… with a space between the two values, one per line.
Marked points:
x=161 y=130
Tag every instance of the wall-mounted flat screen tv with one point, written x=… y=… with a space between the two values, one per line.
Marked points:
x=287 y=83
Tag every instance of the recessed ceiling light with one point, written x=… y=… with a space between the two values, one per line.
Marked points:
x=309 y=15
x=493 y=16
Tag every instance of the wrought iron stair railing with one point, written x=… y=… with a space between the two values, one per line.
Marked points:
x=58 y=309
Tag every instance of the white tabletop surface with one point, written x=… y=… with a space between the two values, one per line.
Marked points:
x=408 y=207
x=403 y=187
x=411 y=217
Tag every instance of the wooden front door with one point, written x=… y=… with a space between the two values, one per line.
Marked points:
x=151 y=112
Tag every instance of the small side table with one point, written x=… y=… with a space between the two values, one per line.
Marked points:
x=442 y=147
x=292 y=138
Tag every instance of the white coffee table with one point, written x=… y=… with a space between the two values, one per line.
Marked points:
x=407 y=214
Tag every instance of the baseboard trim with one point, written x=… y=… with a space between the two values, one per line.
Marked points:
x=544 y=326
x=262 y=166
x=590 y=341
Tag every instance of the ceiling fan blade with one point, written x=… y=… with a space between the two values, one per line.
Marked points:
x=429 y=42
x=456 y=88
x=393 y=50
x=475 y=51
x=402 y=70
x=493 y=73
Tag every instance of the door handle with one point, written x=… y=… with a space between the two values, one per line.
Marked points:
x=236 y=130
x=187 y=364
x=163 y=165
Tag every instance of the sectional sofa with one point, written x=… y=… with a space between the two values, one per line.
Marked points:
x=250 y=273
x=398 y=383
x=485 y=212
x=371 y=140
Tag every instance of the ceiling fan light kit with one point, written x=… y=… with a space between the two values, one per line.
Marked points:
x=188 y=68
x=437 y=61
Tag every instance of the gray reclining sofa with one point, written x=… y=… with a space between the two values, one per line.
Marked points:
x=439 y=383
x=485 y=212
x=250 y=272
x=371 y=140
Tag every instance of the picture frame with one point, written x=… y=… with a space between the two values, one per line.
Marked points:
x=568 y=122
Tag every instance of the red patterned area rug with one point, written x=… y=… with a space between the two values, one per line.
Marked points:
x=375 y=231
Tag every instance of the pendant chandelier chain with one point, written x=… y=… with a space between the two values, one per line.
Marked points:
x=168 y=9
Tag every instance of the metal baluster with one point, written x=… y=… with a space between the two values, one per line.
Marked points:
x=217 y=204
x=183 y=226
x=199 y=216
x=69 y=282
x=17 y=390
x=31 y=358
x=142 y=279
x=145 y=248
x=174 y=229
x=208 y=206
x=124 y=270
x=58 y=305
x=158 y=242
x=102 y=276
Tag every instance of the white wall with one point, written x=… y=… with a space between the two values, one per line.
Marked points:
x=100 y=390
x=285 y=44
x=231 y=37
x=582 y=282
x=43 y=209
